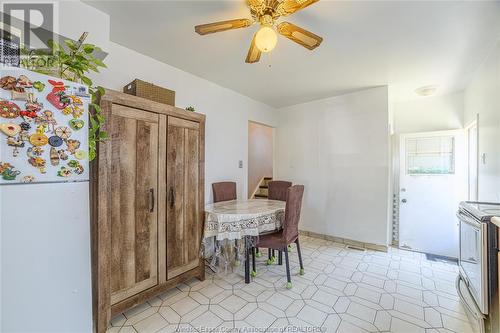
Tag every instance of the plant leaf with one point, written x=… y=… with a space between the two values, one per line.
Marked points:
x=86 y=80
x=88 y=48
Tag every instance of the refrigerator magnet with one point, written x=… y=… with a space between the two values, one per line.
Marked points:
x=25 y=126
x=54 y=157
x=34 y=106
x=8 y=172
x=63 y=132
x=39 y=86
x=47 y=119
x=58 y=99
x=23 y=82
x=76 y=124
x=80 y=154
x=28 y=116
x=62 y=154
x=77 y=167
x=9 y=110
x=55 y=141
x=10 y=129
x=57 y=86
x=19 y=96
x=13 y=142
x=64 y=172
x=8 y=83
x=73 y=145
x=39 y=139
x=34 y=152
x=28 y=179
x=38 y=163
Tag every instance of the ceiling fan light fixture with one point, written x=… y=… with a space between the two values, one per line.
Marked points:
x=266 y=38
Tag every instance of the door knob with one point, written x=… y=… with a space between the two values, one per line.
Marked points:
x=403 y=201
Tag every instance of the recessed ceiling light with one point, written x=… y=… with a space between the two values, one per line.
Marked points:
x=426 y=90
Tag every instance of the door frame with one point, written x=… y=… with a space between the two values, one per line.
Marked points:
x=473 y=123
x=399 y=147
x=248 y=153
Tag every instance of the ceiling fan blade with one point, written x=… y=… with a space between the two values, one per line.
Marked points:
x=287 y=7
x=254 y=53
x=300 y=36
x=211 y=28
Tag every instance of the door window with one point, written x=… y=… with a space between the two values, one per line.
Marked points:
x=430 y=155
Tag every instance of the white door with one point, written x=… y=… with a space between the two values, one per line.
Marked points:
x=432 y=182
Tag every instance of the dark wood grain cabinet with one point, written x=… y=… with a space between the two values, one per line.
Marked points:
x=147 y=203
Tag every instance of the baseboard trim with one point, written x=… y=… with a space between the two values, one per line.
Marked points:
x=368 y=246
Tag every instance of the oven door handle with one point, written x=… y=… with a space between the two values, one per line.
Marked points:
x=472 y=308
x=470 y=221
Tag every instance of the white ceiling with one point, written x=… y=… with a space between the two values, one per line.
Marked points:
x=404 y=44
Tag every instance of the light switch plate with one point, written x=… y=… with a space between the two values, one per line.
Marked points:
x=240 y=164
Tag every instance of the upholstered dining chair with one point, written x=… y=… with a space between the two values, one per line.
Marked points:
x=276 y=190
x=289 y=233
x=224 y=191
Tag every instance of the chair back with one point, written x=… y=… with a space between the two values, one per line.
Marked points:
x=224 y=191
x=292 y=212
x=277 y=189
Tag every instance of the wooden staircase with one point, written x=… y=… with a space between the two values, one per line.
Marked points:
x=261 y=192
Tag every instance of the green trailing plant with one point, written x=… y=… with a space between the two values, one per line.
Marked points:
x=190 y=108
x=74 y=61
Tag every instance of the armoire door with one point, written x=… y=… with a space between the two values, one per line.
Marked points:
x=183 y=200
x=133 y=143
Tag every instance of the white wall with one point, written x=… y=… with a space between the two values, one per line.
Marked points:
x=339 y=149
x=260 y=154
x=426 y=114
x=227 y=112
x=482 y=96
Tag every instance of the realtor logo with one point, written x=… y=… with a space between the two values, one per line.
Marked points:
x=36 y=21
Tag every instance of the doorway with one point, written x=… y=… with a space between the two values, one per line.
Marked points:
x=260 y=158
x=432 y=182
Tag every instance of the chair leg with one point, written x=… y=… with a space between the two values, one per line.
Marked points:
x=287 y=263
x=270 y=253
x=247 y=262
x=236 y=253
x=280 y=257
x=301 y=272
x=257 y=253
x=254 y=271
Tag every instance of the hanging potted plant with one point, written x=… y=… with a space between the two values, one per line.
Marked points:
x=74 y=62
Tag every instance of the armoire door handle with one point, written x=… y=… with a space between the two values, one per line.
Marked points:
x=172 y=197
x=151 y=200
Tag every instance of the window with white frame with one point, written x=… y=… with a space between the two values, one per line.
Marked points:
x=434 y=155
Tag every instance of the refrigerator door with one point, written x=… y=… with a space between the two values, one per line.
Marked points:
x=45 y=258
x=43 y=128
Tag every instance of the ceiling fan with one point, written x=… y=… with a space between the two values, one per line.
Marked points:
x=266 y=13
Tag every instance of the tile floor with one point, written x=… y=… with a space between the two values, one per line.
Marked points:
x=343 y=290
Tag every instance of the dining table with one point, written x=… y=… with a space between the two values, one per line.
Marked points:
x=236 y=220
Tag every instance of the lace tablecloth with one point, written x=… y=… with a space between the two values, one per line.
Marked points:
x=235 y=219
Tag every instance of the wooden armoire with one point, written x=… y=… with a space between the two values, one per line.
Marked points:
x=147 y=203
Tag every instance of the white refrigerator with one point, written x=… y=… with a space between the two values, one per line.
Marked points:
x=44 y=204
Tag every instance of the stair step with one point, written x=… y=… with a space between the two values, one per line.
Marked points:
x=260 y=196
x=263 y=186
x=268 y=178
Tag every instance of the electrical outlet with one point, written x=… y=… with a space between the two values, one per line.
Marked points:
x=240 y=164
